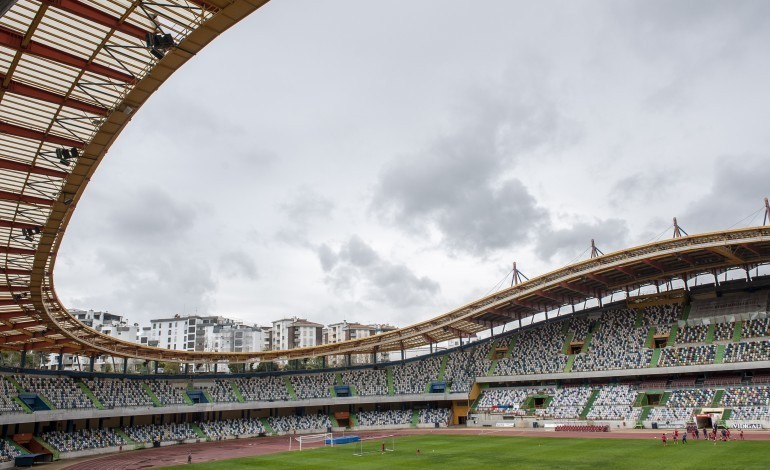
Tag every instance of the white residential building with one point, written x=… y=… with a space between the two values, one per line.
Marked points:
x=233 y=338
x=291 y=333
x=184 y=333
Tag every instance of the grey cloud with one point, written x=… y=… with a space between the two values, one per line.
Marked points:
x=609 y=235
x=145 y=251
x=736 y=192
x=156 y=283
x=461 y=184
x=238 y=264
x=356 y=270
x=327 y=257
x=307 y=205
x=147 y=213
x=642 y=185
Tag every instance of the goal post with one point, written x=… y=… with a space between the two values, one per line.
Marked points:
x=307 y=440
x=375 y=445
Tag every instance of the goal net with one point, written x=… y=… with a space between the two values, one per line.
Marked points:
x=312 y=440
x=375 y=445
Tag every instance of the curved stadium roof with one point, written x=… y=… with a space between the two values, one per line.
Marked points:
x=73 y=74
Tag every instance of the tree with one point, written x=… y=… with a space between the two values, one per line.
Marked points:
x=169 y=367
x=10 y=358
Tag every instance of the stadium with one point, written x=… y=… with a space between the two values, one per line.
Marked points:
x=674 y=334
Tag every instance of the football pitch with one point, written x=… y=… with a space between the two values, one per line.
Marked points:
x=450 y=452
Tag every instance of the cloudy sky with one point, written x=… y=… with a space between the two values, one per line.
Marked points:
x=387 y=161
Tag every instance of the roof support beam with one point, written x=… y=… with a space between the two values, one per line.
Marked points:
x=654 y=264
x=14 y=224
x=205 y=5
x=24 y=337
x=487 y=323
x=20 y=325
x=598 y=278
x=457 y=332
x=7 y=288
x=27 y=168
x=45 y=95
x=18 y=272
x=13 y=40
x=555 y=298
x=17 y=251
x=751 y=249
x=9 y=196
x=14 y=314
x=726 y=253
x=687 y=259
x=18 y=131
x=427 y=338
x=578 y=289
x=97 y=16
x=525 y=305
x=51 y=344
x=626 y=270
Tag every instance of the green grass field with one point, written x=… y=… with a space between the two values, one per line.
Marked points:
x=451 y=452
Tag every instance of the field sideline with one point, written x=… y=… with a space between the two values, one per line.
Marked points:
x=496 y=451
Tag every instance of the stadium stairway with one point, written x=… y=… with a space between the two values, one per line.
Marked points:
x=720 y=356
x=198 y=431
x=290 y=388
x=639 y=319
x=338 y=379
x=590 y=336
x=154 y=399
x=686 y=311
x=664 y=398
x=710 y=333
x=122 y=434
x=589 y=404
x=650 y=341
x=391 y=387
x=718 y=397
x=727 y=413
x=569 y=335
x=643 y=416
x=333 y=420
x=415 y=418
x=641 y=400
x=268 y=429
x=353 y=420
x=209 y=398
x=237 y=392
x=15 y=384
x=23 y=405
x=190 y=388
x=655 y=357
x=570 y=362
x=16 y=446
x=87 y=391
x=737 y=331
x=493 y=356
x=47 y=446
x=475 y=404
x=442 y=370
x=511 y=345
x=672 y=335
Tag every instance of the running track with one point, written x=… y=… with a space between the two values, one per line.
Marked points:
x=229 y=449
